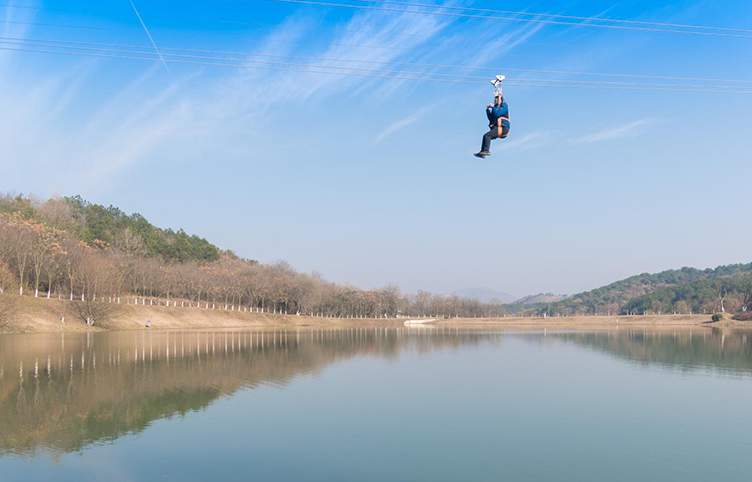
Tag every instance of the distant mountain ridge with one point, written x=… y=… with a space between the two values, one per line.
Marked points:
x=484 y=295
x=539 y=298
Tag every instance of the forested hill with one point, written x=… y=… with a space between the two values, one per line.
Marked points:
x=102 y=226
x=694 y=287
x=71 y=249
x=698 y=296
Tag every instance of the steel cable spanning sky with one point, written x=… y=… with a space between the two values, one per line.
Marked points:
x=537 y=15
x=162 y=17
x=219 y=58
x=360 y=72
x=703 y=31
x=72 y=43
x=565 y=17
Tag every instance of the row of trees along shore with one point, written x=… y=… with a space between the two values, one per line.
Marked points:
x=725 y=289
x=67 y=248
x=94 y=256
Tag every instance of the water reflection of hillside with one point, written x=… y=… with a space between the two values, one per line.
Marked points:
x=64 y=392
x=686 y=350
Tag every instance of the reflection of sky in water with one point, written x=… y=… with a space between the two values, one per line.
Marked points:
x=376 y=404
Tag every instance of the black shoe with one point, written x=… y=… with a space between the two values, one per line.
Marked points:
x=482 y=154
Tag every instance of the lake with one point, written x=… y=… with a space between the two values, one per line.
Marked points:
x=376 y=404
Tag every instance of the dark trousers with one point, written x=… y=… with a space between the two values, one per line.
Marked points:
x=491 y=135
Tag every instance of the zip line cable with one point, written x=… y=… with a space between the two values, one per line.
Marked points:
x=51 y=44
x=416 y=5
x=400 y=72
x=193 y=34
x=513 y=19
x=64 y=43
x=182 y=19
x=565 y=17
x=376 y=74
x=56 y=25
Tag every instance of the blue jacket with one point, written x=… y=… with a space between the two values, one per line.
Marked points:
x=494 y=112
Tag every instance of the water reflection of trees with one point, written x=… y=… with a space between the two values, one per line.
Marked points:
x=726 y=351
x=63 y=392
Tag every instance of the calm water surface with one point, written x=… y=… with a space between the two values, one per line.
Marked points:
x=377 y=404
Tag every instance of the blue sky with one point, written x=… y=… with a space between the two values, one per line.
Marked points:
x=372 y=181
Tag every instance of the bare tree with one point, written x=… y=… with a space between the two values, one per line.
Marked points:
x=18 y=241
x=746 y=294
x=44 y=246
x=7 y=280
x=129 y=243
x=73 y=256
x=56 y=213
x=722 y=293
x=94 y=312
x=8 y=308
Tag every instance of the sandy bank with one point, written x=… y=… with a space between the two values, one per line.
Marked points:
x=39 y=315
x=585 y=321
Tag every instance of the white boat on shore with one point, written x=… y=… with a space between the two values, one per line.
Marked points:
x=419 y=322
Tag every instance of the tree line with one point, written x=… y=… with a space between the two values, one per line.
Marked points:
x=71 y=249
x=731 y=294
x=686 y=290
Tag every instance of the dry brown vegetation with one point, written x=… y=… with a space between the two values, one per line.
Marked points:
x=8 y=309
x=68 y=249
x=39 y=315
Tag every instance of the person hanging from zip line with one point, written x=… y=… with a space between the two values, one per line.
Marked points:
x=498 y=121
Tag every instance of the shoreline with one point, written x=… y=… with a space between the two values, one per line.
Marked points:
x=40 y=315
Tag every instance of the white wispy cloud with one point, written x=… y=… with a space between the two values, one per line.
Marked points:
x=12 y=30
x=50 y=125
x=498 y=46
x=402 y=123
x=614 y=132
x=528 y=142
